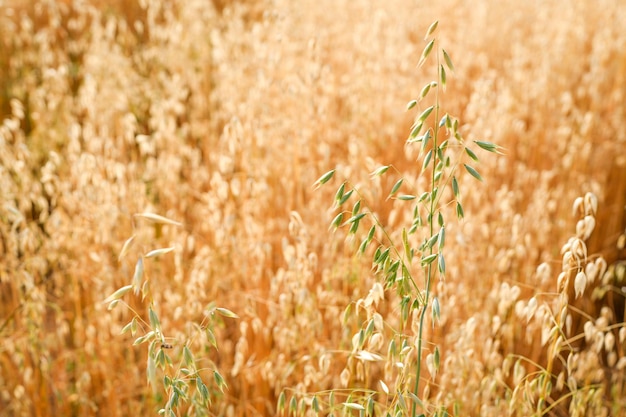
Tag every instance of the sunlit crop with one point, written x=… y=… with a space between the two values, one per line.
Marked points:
x=169 y=239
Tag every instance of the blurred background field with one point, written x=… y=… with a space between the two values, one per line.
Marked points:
x=221 y=115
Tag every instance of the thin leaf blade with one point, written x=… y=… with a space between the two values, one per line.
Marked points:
x=156 y=218
x=473 y=172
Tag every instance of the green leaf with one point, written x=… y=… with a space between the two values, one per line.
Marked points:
x=127 y=327
x=315 y=405
x=431 y=241
x=434 y=195
x=455 y=187
x=158 y=252
x=404 y=308
x=429 y=259
x=426 y=139
x=145 y=289
x=340 y=191
x=459 y=210
x=415 y=399
x=293 y=405
x=424 y=196
x=471 y=154
x=346 y=314
x=188 y=357
x=425 y=90
x=336 y=221
x=154 y=319
x=169 y=360
x=424 y=115
x=356 y=208
x=370 y=234
x=402 y=401
x=325 y=178
x=138 y=276
x=438 y=171
x=473 y=172
x=113 y=304
x=356 y=218
x=431 y=29
x=118 y=294
x=442 y=264
x=226 y=313
x=354 y=227
x=411 y=104
x=440 y=155
x=380 y=171
x=416 y=129
x=427 y=158
x=221 y=384
x=174 y=399
x=384 y=255
x=391 y=353
x=405 y=243
x=488 y=146
x=345 y=197
x=354 y=406
x=210 y=337
x=442 y=238
x=377 y=254
x=370 y=406
x=363 y=246
x=151 y=371
x=141 y=339
x=406 y=197
x=126 y=247
x=369 y=330
x=446 y=58
x=427 y=50
x=160 y=359
x=442 y=77
x=436 y=312
x=280 y=406
x=396 y=187
x=395 y=265
x=202 y=389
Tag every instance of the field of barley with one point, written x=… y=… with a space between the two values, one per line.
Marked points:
x=170 y=243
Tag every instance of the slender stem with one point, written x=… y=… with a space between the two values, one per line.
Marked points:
x=387 y=236
x=419 y=346
x=431 y=230
x=552 y=353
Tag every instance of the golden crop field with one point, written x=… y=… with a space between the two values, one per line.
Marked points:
x=225 y=208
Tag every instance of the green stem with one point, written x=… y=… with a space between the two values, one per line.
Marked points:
x=431 y=230
x=419 y=346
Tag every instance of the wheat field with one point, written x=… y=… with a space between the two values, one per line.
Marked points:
x=220 y=116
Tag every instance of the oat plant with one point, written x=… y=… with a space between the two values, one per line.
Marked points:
x=186 y=380
x=410 y=260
